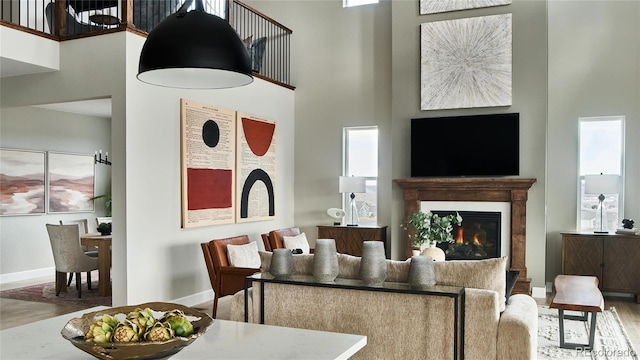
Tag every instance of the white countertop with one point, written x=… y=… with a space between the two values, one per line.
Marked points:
x=224 y=340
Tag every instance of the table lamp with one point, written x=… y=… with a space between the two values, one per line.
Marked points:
x=353 y=185
x=601 y=184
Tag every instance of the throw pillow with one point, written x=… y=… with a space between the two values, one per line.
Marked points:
x=244 y=255
x=297 y=242
x=512 y=277
x=488 y=274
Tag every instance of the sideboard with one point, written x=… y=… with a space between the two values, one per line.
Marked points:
x=613 y=258
x=349 y=239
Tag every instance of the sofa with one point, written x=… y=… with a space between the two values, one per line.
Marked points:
x=402 y=325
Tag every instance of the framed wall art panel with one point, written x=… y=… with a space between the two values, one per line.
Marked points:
x=22 y=182
x=466 y=63
x=208 y=164
x=256 y=177
x=71 y=182
x=440 y=6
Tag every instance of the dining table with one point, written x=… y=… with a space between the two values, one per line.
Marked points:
x=103 y=243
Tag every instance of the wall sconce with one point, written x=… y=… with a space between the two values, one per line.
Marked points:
x=97 y=158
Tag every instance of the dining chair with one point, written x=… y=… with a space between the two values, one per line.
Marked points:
x=68 y=255
x=82 y=229
x=225 y=279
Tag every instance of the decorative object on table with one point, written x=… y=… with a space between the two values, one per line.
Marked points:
x=178 y=52
x=353 y=185
x=457 y=73
x=166 y=315
x=373 y=265
x=439 y=6
x=627 y=228
x=422 y=272
x=601 y=184
x=23 y=182
x=71 y=182
x=325 y=261
x=104 y=228
x=431 y=229
x=336 y=214
x=281 y=263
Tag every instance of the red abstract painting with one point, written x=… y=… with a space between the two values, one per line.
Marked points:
x=209 y=188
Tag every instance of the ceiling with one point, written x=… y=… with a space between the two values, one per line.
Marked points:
x=95 y=107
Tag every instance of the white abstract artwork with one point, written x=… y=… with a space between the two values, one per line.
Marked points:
x=466 y=63
x=439 y=6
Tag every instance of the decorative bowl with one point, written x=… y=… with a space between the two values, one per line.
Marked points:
x=76 y=328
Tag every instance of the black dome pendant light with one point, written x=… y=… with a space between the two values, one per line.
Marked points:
x=194 y=50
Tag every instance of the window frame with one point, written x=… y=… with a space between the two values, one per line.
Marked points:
x=580 y=177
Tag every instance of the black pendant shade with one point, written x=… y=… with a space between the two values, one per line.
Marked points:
x=194 y=50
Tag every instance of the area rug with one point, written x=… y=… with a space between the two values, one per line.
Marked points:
x=46 y=293
x=611 y=340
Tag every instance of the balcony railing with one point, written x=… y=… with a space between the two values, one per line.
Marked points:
x=268 y=42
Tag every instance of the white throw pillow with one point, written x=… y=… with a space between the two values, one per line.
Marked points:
x=244 y=255
x=297 y=242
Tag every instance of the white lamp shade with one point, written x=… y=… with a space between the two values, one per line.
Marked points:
x=352 y=184
x=601 y=184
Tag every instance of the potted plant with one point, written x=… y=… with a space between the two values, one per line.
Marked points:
x=107 y=202
x=431 y=229
x=104 y=228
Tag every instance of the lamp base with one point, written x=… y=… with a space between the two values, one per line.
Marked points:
x=600 y=232
x=352 y=224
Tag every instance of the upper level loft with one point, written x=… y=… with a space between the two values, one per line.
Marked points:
x=268 y=42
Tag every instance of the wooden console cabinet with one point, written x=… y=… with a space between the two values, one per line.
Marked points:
x=613 y=258
x=349 y=238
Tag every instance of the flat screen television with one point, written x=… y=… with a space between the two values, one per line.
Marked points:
x=465 y=146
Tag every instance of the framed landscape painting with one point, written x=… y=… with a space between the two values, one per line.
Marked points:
x=71 y=182
x=22 y=182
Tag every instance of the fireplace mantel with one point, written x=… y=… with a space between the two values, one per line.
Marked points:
x=512 y=190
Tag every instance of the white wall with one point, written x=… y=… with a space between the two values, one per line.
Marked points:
x=594 y=70
x=153 y=258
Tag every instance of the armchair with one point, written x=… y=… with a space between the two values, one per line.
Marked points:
x=225 y=279
x=276 y=237
x=265 y=241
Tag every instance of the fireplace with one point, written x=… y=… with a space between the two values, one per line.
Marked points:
x=478 y=237
x=506 y=189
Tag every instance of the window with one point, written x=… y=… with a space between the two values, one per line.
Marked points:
x=360 y=151
x=601 y=152
x=351 y=3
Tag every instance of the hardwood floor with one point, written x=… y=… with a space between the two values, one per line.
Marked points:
x=17 y=312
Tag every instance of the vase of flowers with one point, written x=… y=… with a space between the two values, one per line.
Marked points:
x=431 y=229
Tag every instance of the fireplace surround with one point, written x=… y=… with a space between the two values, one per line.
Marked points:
x=512 y=190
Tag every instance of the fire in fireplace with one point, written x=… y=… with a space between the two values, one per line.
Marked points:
x=478 y=237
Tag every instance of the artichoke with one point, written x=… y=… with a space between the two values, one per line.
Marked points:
x=143 y=319
x=101 y=330
x=178 y=322
x=159 y=332
x=127 y=331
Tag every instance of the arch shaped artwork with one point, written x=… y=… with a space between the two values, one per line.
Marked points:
x=254 y=176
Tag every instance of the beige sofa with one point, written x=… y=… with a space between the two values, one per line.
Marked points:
x=401 y=325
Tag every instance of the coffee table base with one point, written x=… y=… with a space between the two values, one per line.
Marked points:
x=584 y=317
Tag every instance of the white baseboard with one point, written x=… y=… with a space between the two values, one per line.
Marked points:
x=27 y=275
x=195 y=299
x=539 y=292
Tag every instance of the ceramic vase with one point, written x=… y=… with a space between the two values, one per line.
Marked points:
x=422 y=272
x=435 y=252
x=281 y=263
x=373 y=265
x=325 y=261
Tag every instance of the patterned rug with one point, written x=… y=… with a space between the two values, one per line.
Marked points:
x=45 y=293
x=611 y=340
